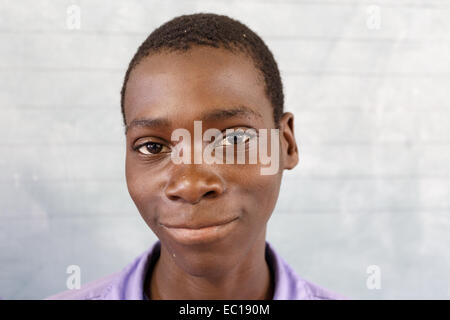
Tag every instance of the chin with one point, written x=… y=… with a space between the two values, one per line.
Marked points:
x=212 y=260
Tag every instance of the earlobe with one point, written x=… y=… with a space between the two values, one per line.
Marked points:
x=287 y=137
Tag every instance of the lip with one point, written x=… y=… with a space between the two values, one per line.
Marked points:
x=200 y=234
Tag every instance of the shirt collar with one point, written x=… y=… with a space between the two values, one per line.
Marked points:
x=129 y=285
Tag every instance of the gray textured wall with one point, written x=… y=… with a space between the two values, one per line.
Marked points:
x=369 y=90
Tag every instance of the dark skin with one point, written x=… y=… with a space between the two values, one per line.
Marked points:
x=177 y=88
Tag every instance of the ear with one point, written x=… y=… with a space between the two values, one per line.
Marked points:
x=289 y=150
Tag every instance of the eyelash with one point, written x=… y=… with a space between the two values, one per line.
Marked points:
x=151 y=154
x=136 y=148
x=249 y=137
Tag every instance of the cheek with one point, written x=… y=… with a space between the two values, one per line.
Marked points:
x=266 y=190
x=143 y=188
x=133 y=182
x=258 y=192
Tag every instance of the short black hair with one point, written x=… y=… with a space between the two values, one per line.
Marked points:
x=219 y=31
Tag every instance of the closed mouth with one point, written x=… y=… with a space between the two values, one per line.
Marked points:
x=200 y=233
x=197 y=226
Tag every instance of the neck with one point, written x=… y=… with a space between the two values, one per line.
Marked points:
x=248 y=280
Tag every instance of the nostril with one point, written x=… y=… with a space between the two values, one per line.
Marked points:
x=173 y=198
x=192 y=191
x=210 y=194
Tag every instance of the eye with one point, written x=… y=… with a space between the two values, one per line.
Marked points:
x=149 y=148
x=236 y=138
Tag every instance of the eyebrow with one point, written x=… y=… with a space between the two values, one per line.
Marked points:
x=147 y=123
x=215 y=115
x=222 y=114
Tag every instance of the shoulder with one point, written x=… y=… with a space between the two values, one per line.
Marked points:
x=126 y=284
x=94 y=290
x=290 y=286
x=305 y=289
x=313 y=291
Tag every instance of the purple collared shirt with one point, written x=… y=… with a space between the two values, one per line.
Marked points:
x=128 y=284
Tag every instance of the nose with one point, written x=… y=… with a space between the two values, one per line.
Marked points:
x=192 y=183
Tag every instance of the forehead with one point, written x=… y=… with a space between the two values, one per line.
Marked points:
x=171 y=84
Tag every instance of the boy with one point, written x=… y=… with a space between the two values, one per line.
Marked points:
x=210 y=217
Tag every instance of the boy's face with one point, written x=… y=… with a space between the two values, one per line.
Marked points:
x=175 y=199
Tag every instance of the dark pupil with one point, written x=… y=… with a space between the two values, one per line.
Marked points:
x=235 y=138
x=154 y=147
